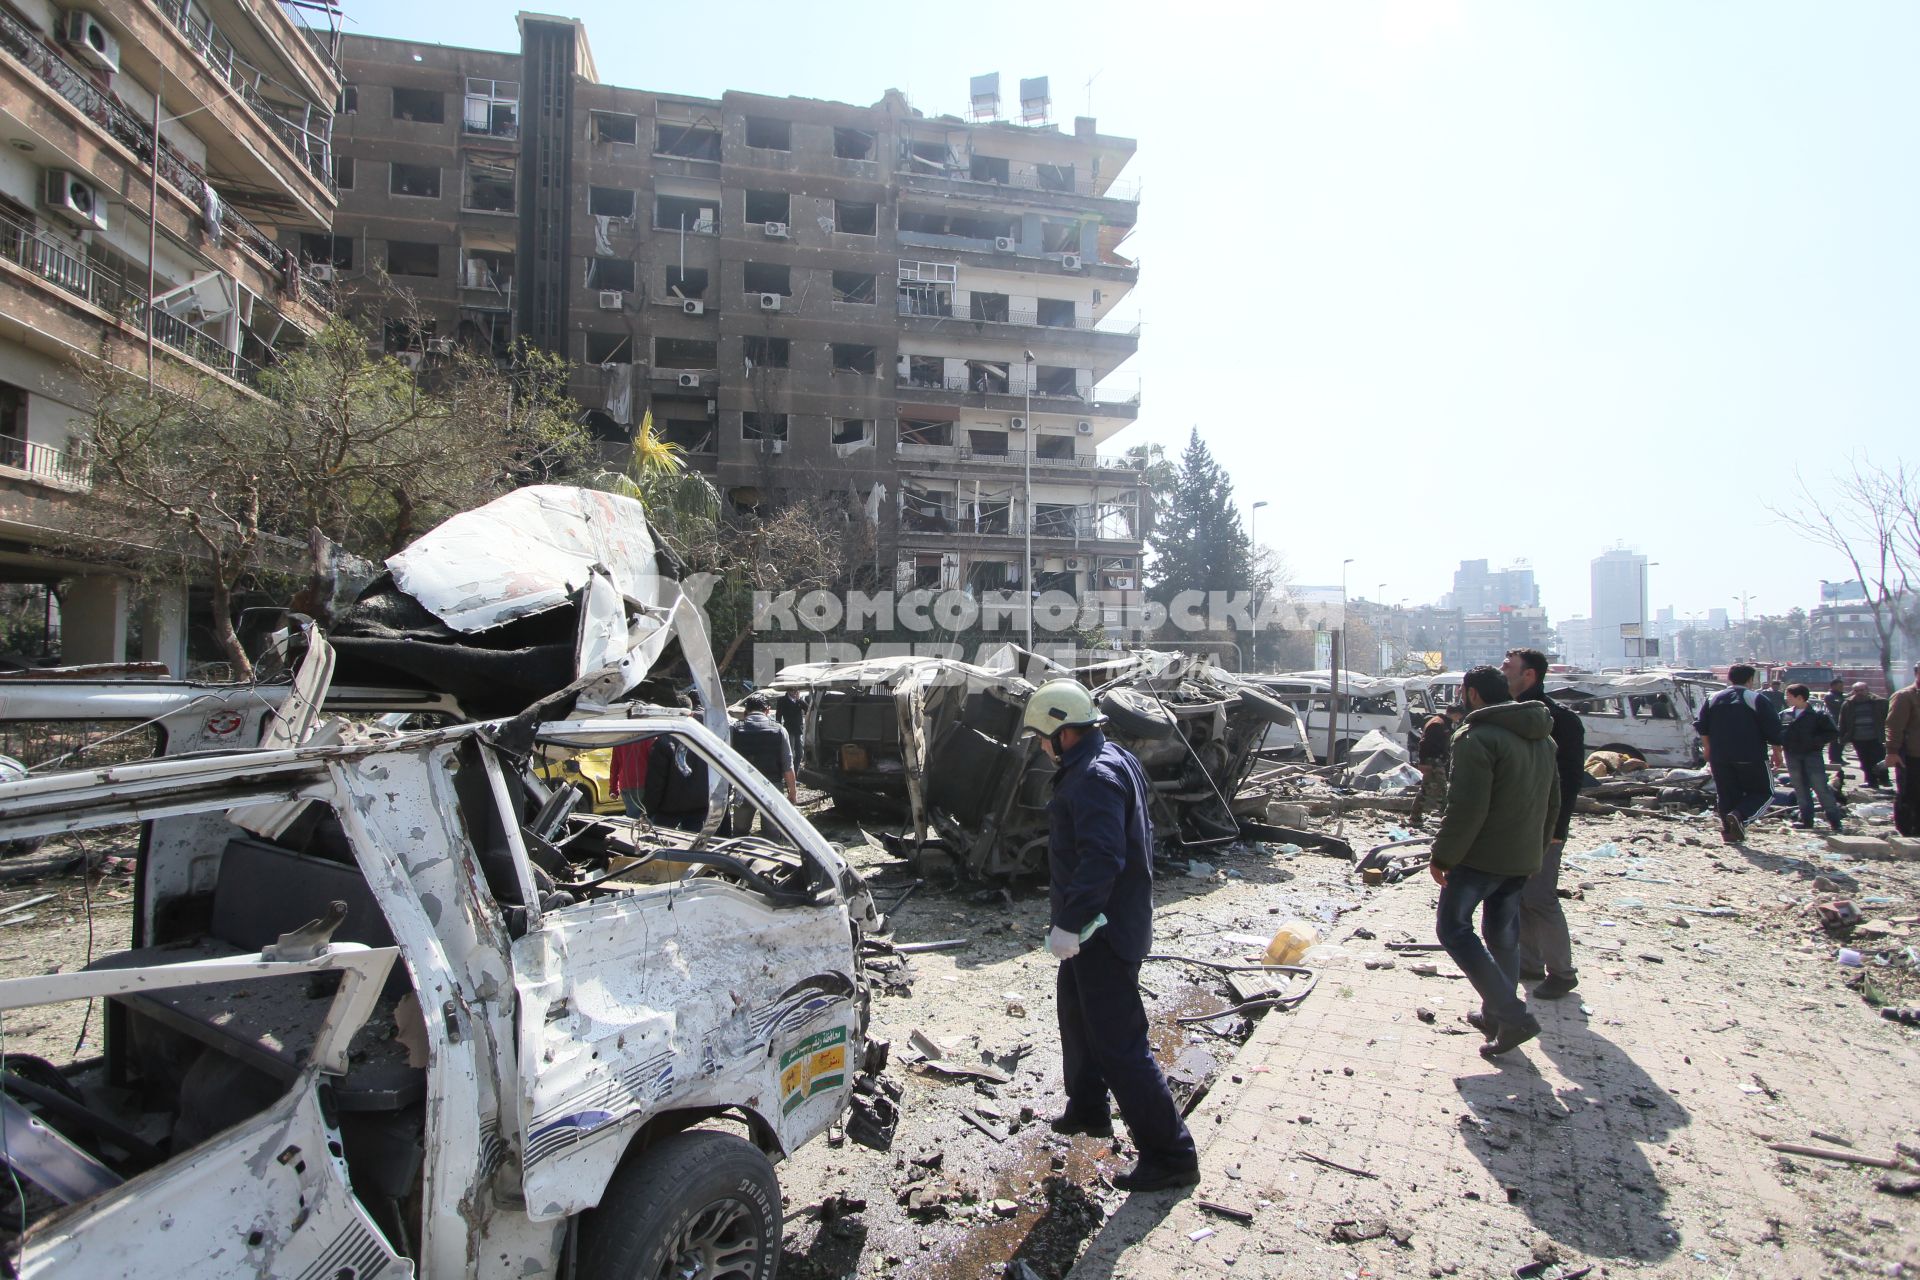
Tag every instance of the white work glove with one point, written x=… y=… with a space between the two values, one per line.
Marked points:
x=1063 y=943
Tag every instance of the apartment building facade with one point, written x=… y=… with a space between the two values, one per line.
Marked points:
x=807 y=296
x=106 y=238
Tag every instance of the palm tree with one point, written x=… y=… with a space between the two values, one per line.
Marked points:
x=682 y=505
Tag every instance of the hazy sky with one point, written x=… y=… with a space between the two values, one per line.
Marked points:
x=1448 y=280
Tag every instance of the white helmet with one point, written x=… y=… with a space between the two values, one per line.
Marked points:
x=1060 y=704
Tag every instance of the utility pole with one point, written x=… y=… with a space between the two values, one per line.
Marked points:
x=1028 y=457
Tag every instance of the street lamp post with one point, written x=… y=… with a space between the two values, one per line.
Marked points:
x=1028 y=458
x=1253 y=571
x=1336 y=701
x=1640 y=646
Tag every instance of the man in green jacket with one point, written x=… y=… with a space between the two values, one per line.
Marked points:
x=1503 y=799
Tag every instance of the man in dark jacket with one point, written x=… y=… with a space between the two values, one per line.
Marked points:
x=1546 y=948
x=1099 y=859
x=1431 y=760
x=1835 y=698
x=1736 y=727
x=676 y=785
x=1504 y=798
x=1863 y=722
x=1806 y=732
x=759 y=738
x=791 y=711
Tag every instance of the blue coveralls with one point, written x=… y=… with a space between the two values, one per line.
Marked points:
x=1100 y=860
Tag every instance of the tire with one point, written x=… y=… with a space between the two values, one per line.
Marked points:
x=1136 y=715
x=697 y=1197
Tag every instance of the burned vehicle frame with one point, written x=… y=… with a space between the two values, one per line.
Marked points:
x=937 y=743
x=546 y=1026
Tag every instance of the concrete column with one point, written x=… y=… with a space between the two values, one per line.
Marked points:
x=163 y=628
x=93 y=620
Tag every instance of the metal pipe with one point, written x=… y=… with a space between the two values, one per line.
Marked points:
x=153 y=219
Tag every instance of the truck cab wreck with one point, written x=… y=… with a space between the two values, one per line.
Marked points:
x=392 y=1005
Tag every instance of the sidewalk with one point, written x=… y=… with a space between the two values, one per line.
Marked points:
x=1631 y=1134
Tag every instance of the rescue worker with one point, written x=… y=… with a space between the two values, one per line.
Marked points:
x=1101 y=887
x=1737 y=727
x=764 y=744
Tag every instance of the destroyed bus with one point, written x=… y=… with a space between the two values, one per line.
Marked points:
x=393 y=1006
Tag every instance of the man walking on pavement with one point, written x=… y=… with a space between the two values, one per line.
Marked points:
x=1101 y=886
x=1834 y=699
x=1504 y=798
x=1863 y=722
x=764 y=744
x=1736 y=727
x=1806 y=732
x=1903 y=749
x=1546 y=949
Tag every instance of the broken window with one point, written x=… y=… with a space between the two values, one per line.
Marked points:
x=990 y=515
x=989 y=230
x=1059 y=237
x=487 y=269
x=766 y=353
x=326 y=250
x=853 y=357
x=610 y=273
x=422 y=106
x=685 y=353
x=412 y=258
x=1055 y=313
x=419 y=180
x=613 y=126
x=687 y=282
x=926 y=568
x=343 y=172
x=769 y=277
x=855 y=286
x=687 y=141
x=988 y=169
x=601 y=426
x=768 y=206
x=990 y=444
x=493 y=107
x=848 y=431
x=1058 y=448
x=1053 y=177
x=400 y=336
x=1055 y=380
x=929 y=157
x=491 y=186
x=767 y=134
x=349 y=101
x=925 y=289
x=990 y=376
x=763 y=426
x=695 y=214
x=923 y=431
x=926 y=371
x=928 y=512
x=1054 y=519
x=853 y=144
x=610 y=202
x=694 y=435
x=855 y=218
x=989 y=575
x=1062 y=580
x=988 y=306
x=609 y=348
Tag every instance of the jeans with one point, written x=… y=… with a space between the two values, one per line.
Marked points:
x=1104 y=1049
x=634 y=801
x=1741 y=787
x=1493 y=967
x=1809 y=774
x=1906 y=801
x=1544 y=942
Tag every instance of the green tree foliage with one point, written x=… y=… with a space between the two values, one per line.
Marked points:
x=1198 y=543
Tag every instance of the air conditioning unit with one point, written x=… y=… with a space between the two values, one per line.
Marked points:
x=324 y=272
x=1003 y=244
x=75 y=199
x=1070 y=261
x=689 y=380
x=1073 y=562
x=439 y=346
x=1084 y=427
x=87 y=36
x=776 y=231
x=769 y=302
x=693 y=306
x=612 y=299
x=1016 y=424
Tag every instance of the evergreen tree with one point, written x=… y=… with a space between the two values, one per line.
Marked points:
x=1198 y=543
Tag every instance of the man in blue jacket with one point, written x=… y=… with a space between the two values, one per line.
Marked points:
x=1737 y=726
x=1100 y=863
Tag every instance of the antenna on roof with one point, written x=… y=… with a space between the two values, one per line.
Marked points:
x=1034 y=100
x=986 y=96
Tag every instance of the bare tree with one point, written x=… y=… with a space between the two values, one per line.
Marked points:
x=1872 y=518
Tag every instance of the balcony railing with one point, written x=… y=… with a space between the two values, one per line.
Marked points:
x=1083 y=461
x=54 y=263
x=1023 y=180
x=63 y=465
x=1102 y=395
x=919 y=308
x=313 y=146
x=136 y=135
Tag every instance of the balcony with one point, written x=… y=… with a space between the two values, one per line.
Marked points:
x=919 y=307
x=310 y=139
x=1118 y=467
x=135 y=135
x=1109 y=399
x=54 y=264
x=64 y=467
x=1022 y=181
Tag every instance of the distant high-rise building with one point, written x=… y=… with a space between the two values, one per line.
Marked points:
x=1477 y=589
x=1619 y=599
x=1576 y=641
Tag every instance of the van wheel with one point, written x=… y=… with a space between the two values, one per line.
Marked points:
x=1136 y=715
x=696 y=1204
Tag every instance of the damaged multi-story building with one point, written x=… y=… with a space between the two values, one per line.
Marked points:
x=160 y=155
x=916 y=313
